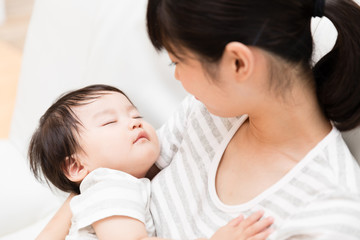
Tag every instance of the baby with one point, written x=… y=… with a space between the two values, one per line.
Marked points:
x=93 y=142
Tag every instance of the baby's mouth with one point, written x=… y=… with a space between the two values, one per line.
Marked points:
x=141 y=136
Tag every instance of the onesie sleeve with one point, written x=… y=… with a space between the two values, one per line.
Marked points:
x=331 y=216
x=107 y=192
x=171 y=133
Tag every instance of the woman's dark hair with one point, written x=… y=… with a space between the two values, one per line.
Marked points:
x=281 y=27
x=55 y=140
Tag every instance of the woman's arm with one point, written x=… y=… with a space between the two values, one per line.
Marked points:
x=170 y=134
x=59 y=225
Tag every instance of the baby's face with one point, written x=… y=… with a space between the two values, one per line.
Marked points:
x=115 y=136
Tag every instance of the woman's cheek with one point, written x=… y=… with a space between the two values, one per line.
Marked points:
x=177 y=74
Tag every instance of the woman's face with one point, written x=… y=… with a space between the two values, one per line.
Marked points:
x=215 y=94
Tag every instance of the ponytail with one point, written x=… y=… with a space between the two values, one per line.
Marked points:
x=337 y=74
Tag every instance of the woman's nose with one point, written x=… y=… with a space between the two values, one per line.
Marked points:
x=135 y=123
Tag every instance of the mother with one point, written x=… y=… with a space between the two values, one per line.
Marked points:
x=262 y=130
x=252 y=58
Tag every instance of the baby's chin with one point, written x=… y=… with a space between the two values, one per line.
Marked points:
x=151 y=157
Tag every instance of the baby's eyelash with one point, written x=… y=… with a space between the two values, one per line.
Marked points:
x=138 y=117
x=110 y=122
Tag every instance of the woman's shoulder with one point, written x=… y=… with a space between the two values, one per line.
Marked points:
x=336 y=158
x=328 y=167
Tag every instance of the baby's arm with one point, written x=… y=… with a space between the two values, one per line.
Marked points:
x=116 y=227
x=59 y=225
x=119 y=227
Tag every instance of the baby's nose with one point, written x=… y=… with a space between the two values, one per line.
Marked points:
x=135 y=123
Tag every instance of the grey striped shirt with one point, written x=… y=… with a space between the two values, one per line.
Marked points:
x=317 y=199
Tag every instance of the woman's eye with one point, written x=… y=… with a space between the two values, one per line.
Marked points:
x=138 y=117
x=173 y=64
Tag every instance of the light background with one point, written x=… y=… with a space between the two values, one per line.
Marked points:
x=12 y=37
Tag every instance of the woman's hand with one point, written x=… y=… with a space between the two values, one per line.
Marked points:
x=252 y=228
x=59 y=225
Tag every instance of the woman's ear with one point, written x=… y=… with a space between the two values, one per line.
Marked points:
x=241 y=59
x=74 y=170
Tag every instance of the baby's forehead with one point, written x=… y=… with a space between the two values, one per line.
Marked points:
x=104 y=102
x=100 y=95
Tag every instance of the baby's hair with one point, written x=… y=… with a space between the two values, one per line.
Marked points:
x=280 y=27
x=55 y=139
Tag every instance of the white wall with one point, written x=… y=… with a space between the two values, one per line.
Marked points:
x=2 y=11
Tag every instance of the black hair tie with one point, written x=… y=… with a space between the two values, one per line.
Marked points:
x=319 y=6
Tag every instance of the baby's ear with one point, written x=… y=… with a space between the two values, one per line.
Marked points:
x=74 y=170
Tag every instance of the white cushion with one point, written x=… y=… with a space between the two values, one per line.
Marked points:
x=30 y=231
x=352 y=138
x=23 y=200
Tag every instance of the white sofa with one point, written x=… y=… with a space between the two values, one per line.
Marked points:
x=76 y=43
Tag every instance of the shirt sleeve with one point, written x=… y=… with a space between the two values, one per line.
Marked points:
x=331 y=216
x=107 y=192
x=171 y=133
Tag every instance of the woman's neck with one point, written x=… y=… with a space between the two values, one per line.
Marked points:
x=296 y=122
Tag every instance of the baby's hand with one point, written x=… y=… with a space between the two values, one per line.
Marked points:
x=252 y=228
